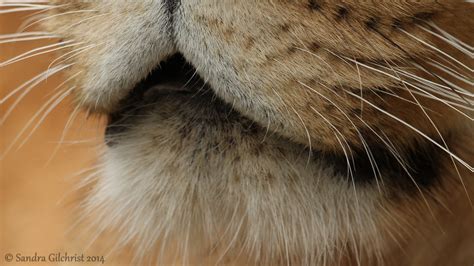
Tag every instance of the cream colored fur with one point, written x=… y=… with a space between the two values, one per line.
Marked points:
x=226 y=176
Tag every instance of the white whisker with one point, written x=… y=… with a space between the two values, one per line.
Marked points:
x=372 y=161
x=408 y=83
x=84 y=20
x=441 y=137
x=24 y=39
x=69 y=55
x=15 y=91
x=25 y=5
x=21 y=9
x=24 y=34
x=451 y=72
x=59 y=99
x=39 y=51
x=469 y=167
x=450 y=41
x=31 y=84
x=451 y=37
x=438 y=50
x=37 y=15
x=447 y=91
x=68 y=124
x=32 y=119
x=54 y=16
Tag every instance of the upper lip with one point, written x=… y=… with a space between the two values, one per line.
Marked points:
x=175 y=70
x=175 y=75
x=172 y=75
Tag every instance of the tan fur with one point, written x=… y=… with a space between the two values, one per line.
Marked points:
x=238 y=184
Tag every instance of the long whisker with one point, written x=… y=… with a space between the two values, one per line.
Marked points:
x=308 y=136
x=71 y=54
x=25 y=39
x=372 y=160
x=433 y=87
x=69 y=122
x=39 y=14
x=23 y=34
x=451 y=37
x=403 y=81
x=21 y=9
x=56 y=96
x=15 y=91
x=452 y=72
x=56 y=15
x=461 y=161
x=24 y=5
x=455 y=44
x=45 y=115
x=40 y=51
x=41 y=78
x=425 y=93
x=349 y=167
x=440 y=135
x=437 y=85
x=438 y=50
x=84 y=20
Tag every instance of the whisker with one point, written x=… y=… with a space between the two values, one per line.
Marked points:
x=72 y=54
x=449 y=41
x=451 y=86
x=15 y=91
x=435 y=86
x=437 y=50
x=451 y=37
x=401 y=98
x=24 y=39
x=403 y=81
x=56 y=15
x=67 y=126
x=37 y=15
x=21 y=9
x=24 y=5
x=34 y=82
x=349 y=167
x=372 y=160
x=452 y=73
x=84 y=20
x=29 y=123
x=461 y=161
x=441 y=137
x=308 y=136
x=45 y=115
x=39 y=51
x=455 y=67
x=23 y=34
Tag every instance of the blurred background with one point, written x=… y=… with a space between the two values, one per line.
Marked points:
x=40 y=161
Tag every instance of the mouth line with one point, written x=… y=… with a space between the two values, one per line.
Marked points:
x=172 y=76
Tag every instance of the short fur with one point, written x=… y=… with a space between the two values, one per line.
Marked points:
x=326 y=132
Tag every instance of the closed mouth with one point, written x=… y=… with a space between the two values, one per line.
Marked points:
x=176 y=78
x=173 y=76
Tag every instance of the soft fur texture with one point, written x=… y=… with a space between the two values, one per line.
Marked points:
x=324 y=132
